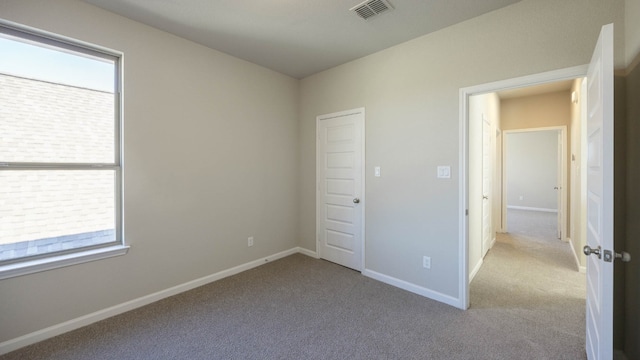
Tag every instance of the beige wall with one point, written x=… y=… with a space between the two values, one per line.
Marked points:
x=632 y=196
x=619 y=205
x=210 y=159
x=632 y=31
x=410 y=93
x=629 y=198
x=551 y=109
x=537 y=111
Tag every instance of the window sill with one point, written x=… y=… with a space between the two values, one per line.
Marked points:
x=54 y=262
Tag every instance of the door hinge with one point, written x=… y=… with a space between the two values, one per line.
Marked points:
x=466 y=212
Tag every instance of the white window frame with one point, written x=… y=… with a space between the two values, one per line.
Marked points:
x=42 y=262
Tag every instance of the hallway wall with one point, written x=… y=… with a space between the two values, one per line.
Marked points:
x=538 y=111
x=531 y=168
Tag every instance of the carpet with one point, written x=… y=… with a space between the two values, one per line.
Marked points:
x=526 y=303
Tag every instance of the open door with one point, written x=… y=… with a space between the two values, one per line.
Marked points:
x=599 y=336
x=487 y=186
x=560 y=182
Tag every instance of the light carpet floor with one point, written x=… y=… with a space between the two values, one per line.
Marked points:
x=526 y=303
x=530 y=276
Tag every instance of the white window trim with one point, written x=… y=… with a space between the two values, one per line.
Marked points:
x=30 y=266
x=54 y=262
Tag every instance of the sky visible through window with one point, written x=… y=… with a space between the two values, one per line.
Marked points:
x=37 y=62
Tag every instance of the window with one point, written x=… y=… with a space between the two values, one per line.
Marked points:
x=60 y=152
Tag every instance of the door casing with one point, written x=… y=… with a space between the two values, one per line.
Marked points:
x=464 y=94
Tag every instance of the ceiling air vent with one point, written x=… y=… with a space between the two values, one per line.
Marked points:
x=371 y=8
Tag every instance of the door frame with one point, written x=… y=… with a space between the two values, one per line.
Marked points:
x=562 y=166
x=361 y=191
x=463 y=161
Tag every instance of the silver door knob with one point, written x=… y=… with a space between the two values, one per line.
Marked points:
x=624 y=256
x=589 y=251
x=356 y=201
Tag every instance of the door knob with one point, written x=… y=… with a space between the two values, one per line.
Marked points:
x=356 y=201
x=624 y=256
x=589 y=251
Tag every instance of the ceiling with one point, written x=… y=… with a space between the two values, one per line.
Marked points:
x=298 y=37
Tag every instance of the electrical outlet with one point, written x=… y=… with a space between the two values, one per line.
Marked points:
x=521 y=197
x=250 y=241
x=426 y=262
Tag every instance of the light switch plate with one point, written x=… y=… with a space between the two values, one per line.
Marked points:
x=376 y=171
x=444 y=172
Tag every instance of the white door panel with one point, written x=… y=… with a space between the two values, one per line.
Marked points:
x=559 y=182
x=340 y=193
x=599 y=337
x=487 y=191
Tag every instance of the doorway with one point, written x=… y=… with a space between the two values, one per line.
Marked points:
x=507 y=113
x=506 y=88
x=526 y=173
x=528 y=270
x=598 y=185
x=534 y=180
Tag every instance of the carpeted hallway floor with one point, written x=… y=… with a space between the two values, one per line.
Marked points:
x=530 y=276
x=526 y=303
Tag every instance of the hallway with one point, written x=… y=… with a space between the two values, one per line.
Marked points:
x=530 y=277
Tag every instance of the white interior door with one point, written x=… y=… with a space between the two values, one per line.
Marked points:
x=599 y=337
x=487 y=175
x=558 y=188
x=340 y=189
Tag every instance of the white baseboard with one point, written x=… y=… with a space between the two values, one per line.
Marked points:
x=434 y=295
x=308 y=252
x=58 y=329
x=531 y=208
x=582 y=269
x=475 y=270
x=36 y=336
